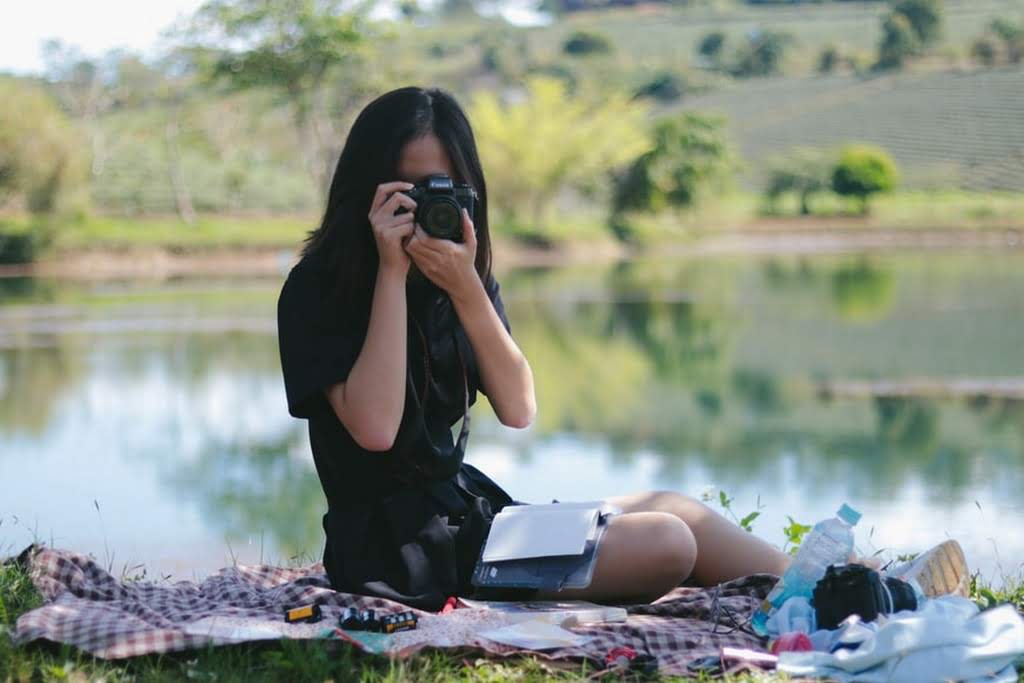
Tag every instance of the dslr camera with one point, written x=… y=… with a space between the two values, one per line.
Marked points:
x=439 y=204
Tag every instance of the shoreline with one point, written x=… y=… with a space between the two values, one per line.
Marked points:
x=765 y=239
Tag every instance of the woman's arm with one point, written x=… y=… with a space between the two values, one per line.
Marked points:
x=371 y=400
x=504 y=370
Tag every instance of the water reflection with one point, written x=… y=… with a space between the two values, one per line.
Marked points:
x=254 y=487
x=658 y=374
x=863 y=291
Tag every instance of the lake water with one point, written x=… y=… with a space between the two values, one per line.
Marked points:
x=145 y=422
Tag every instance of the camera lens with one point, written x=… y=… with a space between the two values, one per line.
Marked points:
x=442 y=218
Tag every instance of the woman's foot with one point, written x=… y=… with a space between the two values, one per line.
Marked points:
x=939 y=571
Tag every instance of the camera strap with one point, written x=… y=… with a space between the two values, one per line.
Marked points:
x=460 y=443
x=412 y=465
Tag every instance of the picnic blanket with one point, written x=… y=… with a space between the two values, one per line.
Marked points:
x=87 y=607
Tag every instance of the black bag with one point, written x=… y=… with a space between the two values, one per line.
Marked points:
x=856 y=589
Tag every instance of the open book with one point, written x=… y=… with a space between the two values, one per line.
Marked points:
x=543 y=546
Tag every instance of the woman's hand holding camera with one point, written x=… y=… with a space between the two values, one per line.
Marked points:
x=390 y=230
x=450 y=265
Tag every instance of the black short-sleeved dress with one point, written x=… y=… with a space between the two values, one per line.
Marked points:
x=405 y=524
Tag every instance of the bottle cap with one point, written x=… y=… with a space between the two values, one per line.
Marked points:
x=848 y=515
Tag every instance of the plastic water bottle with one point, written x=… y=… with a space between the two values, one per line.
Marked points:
x=829 y=542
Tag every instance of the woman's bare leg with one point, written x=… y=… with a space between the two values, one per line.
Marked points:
x=642 y=556
x=724 y=550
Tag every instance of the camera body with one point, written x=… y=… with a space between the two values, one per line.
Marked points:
x=439 y=204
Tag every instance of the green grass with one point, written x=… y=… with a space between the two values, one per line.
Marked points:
x=299 y=660
x=742 y=210
x=214 y=231
x=923 y=208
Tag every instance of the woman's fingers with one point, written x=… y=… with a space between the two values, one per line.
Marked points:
x=402 y=219
x=468 y=231
x=385 y=189
x=431 y=242
x=396 y=200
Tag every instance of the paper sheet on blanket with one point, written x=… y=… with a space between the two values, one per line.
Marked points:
x=536 y=635
x=242 y=629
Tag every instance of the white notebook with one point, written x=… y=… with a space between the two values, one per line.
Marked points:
x=521 y=532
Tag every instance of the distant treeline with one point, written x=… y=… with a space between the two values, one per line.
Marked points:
x=567 y=6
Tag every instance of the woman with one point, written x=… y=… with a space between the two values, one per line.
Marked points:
x=386 y=335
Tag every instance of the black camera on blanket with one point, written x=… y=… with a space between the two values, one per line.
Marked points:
x=439 y=204
x=856 y=589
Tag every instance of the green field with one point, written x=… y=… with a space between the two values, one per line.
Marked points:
x=962 y=129
x=658 y=32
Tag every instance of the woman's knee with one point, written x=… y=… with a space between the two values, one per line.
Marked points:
x=689 y=510
x=673 y=547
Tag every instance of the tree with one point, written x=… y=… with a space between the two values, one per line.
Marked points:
x=289 y=46
x=762 y=55
x=40 y=163
x=828 y=60
x=549 y=141
x=83 y=87
x=42 y=170
x=805 y=173
x=1012 y=37
x=690 y=156
x=925 y=16
x=907 y=30
x=711 y=47
x=899 y=42
x=985 y=50
x=663 y=86
x=862 y=171
x=582 y=43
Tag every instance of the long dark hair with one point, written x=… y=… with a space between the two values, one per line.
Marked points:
x=370 y=157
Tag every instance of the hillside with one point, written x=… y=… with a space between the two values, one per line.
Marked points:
x=657 y=33
x=964 y=129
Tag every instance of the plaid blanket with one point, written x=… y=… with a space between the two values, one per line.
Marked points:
x=110 y=618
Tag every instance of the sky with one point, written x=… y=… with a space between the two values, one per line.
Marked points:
x=97 y=26
x=94 y=26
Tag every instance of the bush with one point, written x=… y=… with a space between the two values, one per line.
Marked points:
x=1012 y=37
x=663 y=87
x=690 y=157
x=711 y=46
x=828 y=60
x=925 y=17
x=22 y=243
x=805 y=173
x=582 y=43
x=899 y=42
x=550 y=141
x=42 y=168
x=762 y=55
x=907 y=30
x=862 y=171
x=985 y=50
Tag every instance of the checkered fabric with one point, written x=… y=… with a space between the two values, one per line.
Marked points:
x=87 y=607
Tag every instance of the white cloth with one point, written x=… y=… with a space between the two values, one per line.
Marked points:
x=793 y=616
x=946 y=639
